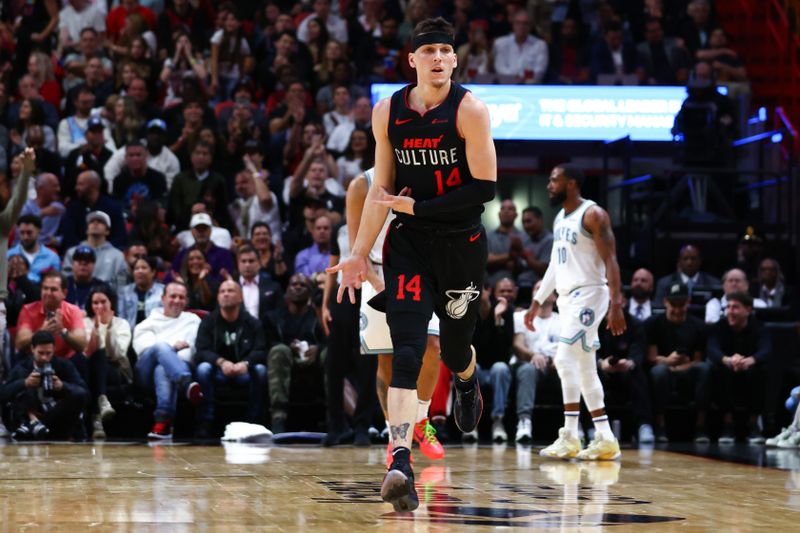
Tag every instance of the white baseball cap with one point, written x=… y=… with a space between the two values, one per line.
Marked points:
x=199 y=219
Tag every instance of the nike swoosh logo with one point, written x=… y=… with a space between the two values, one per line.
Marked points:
x=474 y=238
x=398 y=122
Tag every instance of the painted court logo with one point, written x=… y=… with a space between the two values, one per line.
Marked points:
x=459 y=301
x=586 y=316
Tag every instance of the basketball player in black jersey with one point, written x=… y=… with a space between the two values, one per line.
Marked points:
x=435 y=166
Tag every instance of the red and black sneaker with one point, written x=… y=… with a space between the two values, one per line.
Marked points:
x=161 y=430
x=194 y=393
x=425 y=436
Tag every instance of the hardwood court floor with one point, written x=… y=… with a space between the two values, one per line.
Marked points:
x=243 y=488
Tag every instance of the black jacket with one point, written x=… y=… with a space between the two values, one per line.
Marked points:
x=64 y=369
x=249 y=346
x=754 y=340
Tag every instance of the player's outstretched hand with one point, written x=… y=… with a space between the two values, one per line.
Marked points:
x=354 y=273
x=531 y=314
x=400 y=203
x=616 y=320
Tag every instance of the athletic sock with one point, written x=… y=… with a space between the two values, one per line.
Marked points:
x=401 y=455
x=422 y=410
x=571 y=422
x=602 y=426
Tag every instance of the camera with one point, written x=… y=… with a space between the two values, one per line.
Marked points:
x=47 y=374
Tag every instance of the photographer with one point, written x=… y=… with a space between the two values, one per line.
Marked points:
x=46 y=393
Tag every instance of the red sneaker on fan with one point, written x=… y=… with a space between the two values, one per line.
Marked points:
x=425 y=436
x=161 y=430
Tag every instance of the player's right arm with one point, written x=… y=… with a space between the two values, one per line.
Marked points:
x=354 y=268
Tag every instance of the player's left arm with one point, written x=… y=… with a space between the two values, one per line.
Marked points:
x=475 y=127
x=597 y=222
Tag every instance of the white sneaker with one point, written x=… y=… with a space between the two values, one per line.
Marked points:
x=524 y=430
x=107 y=412
x=98 y=432
x=784 y=434
x=499 y=431
x=792 y=441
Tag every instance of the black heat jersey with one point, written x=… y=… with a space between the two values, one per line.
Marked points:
x=430 y=156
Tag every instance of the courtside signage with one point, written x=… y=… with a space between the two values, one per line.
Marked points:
x=570 y=113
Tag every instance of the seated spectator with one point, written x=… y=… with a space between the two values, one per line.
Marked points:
x=305 y=144
x=362 y=118
x=740 y=349
x=771 y=288
x=58 y=317
x=612 y=56
x=74 y=17
x=89 y=198
x=41 y=68
x=46 y=393
x=184 y=63
x=298 y=345
x=315 y=182
x=201 y=283
x=164 y=344
x=697 y=27
x=95 y=79
x=519 y=56
x=337 y=28
x=47 y=207
x=181 y=16
x=136 y=179
x=537 y=248
x=675 y=344
x=664 y=60
x=231 y=349
x=187 y=129
x=255 y=202
x=493 y=341
x=342 y=111
x=218 y=258
x=148 y=225
x=108 y=339
x=219 y=236
x=270 y=254
x=725 y=61
x=338 y=71
x=20 y=290
x=260 y=292
x=505 y=245
x=72 y=129
x=31 y=114
x=688 y=273
x=76 y=63
x=92 y=155
x=640 y=305
x=474 y=55
x=535 y=351
x=188 y=187
x=159 y=157
x=231 y=58
x=82 y=280
x=138 y=299
x=569 y=56
x=357 y=157
x=125 y=122
x=110 y=266
x=39 y=258
x=46 y=160
x=298 y=234
x=623 y=372
x=734 y=280
x=117 y=16
x=28 y=90
x=316 y=258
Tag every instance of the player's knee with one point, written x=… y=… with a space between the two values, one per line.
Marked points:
x=406 y=366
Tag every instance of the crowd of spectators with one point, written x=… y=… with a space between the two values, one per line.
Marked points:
x=192 y=159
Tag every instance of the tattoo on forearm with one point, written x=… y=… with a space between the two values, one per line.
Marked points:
x=400 y=432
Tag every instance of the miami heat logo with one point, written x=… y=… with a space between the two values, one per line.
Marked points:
x=459 y=301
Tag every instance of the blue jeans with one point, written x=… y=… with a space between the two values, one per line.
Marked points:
x=209 y=376
x=160 y=368
x=499 y=379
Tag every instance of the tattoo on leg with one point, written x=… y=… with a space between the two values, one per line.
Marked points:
x=400 y=432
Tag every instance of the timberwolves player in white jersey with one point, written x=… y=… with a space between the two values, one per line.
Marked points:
x=584 y=272
x=375 y=335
